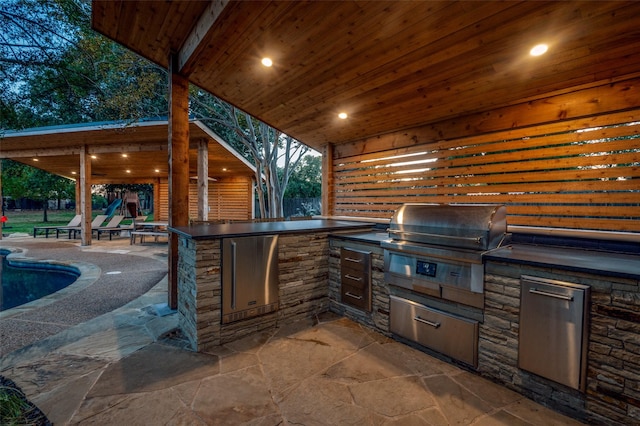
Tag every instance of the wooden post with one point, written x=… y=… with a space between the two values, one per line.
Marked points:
x=327 y=180
x=178 y=168
x=85 y=196
x=203 y=179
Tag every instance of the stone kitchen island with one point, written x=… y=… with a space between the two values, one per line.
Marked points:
x=303 y=252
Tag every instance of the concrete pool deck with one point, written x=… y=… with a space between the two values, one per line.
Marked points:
x=127 y=366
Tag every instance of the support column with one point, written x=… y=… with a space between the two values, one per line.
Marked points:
x=178 y=168
x=85 y=196
x=327 y=180
x=203 y=179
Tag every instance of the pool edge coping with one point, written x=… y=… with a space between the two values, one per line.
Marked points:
x=89 y=274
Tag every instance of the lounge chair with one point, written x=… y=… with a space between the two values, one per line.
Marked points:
x=73 y=222
x=97 y=222
x=111 y=227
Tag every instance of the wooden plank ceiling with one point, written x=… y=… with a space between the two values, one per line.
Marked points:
x=134 y=153
x=389 y=65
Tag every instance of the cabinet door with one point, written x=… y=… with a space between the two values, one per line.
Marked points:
x=553 y=339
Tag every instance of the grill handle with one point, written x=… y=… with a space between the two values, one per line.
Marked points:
x=355 y=296
x=424 y=321
x=477 y=240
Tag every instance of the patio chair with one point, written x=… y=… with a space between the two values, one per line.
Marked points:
x=111 y=227
x=97 y=222
x=73 y=222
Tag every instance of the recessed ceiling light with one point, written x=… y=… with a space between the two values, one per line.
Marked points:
x=73 y=173
x=538 y=49
x=343 y=115
x=157 y=170
x=224 y=169
x=35 y=159
x=267 y=62
x=94 y=156
x=124 y=155
x=128 y=171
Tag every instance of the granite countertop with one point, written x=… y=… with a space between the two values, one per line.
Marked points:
x=572 y=259
x=214 y=231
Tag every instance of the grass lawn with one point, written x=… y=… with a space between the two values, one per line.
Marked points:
x=26 y=220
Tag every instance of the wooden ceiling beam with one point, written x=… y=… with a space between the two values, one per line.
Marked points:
x=193 y=44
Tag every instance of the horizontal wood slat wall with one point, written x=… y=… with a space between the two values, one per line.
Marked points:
x=566 y=177
x=163 y=191
x=228 y=199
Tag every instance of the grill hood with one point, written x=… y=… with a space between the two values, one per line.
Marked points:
x=475 y=227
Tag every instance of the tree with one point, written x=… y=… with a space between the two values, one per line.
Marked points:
x=306 y=180
x=56 y=70
x=274 y=154
x=22 y=181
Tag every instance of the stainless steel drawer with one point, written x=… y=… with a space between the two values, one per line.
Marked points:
x=355 y=260
x=553 y=330
x=355 y=274
x=448 y=334
x=355 y=296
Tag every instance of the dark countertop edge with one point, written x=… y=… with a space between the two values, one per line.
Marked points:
x=505 y=254
x=216 y=231
x=372 y=237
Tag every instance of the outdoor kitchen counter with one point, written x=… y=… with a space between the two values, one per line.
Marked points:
x=579 y=260
x=215 y=231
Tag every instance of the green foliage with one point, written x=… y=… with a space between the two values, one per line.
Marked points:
x=22 y=181
x=306 y=179
x=56 y=70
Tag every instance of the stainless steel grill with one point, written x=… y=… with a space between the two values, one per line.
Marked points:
x=436 y=250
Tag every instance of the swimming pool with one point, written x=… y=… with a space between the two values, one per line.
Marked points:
x=24 y=281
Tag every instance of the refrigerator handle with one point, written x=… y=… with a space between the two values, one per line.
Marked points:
x=233 y=274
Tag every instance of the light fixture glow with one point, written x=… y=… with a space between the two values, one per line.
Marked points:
x=125 y=155
x=35 y=159
x=94 y=157
x=224 y=169
x=267 y=62
x=538 y=49
x=342 y=115
x=128 y=171
x=157 y=170
x=73 y=173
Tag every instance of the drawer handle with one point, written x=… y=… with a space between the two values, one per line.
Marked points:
x=351 y=277
x=557 y=296
x=355 y=296
x=351 y=259
x=424 y=321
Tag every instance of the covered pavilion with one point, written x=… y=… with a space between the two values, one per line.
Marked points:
x=221 y=181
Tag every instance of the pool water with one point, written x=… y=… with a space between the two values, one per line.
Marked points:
x=26 y=281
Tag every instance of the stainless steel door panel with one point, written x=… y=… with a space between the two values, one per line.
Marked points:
x=553 y=330
x=249 y=276
x=448 y=334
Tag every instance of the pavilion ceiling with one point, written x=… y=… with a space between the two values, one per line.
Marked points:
x=389 y=65
x=135 y=153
